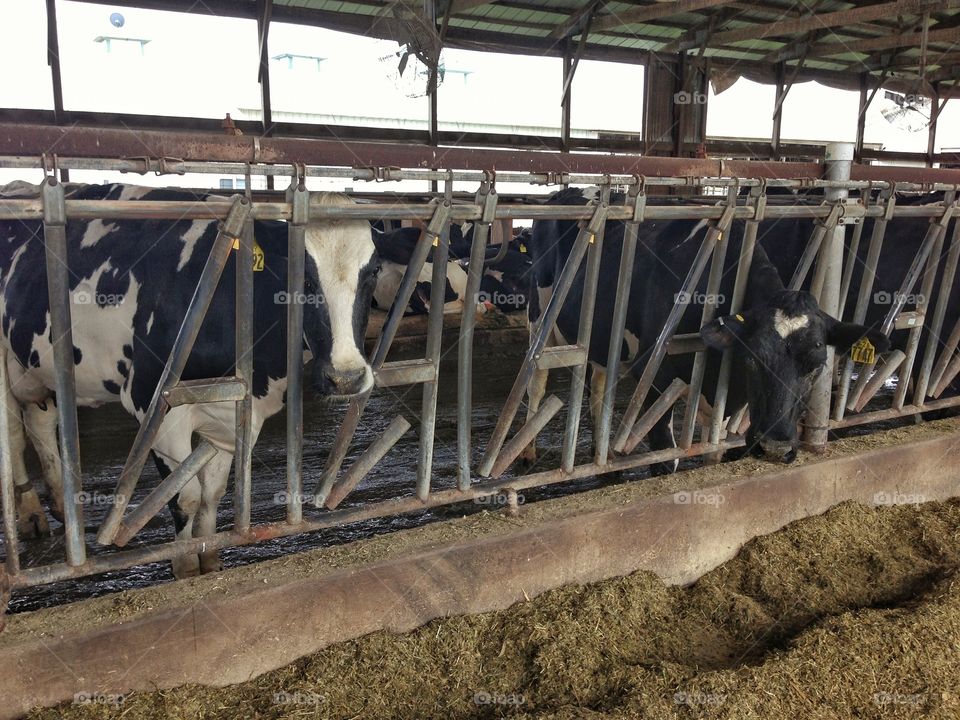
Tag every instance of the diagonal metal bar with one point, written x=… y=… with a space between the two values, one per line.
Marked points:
x=639 y=397
x=709 y=310
x=351 y=419
x=813 y=247
x=758 y=201
x=934 y=233
x=924 y=380
x=366 y=462
x=889 y=199
x=587 y=304
x=164 y=492
x=547 y=323
x=196 y=312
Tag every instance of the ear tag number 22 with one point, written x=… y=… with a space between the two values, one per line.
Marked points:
x=258 y=257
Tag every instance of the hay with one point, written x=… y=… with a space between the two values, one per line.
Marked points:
x=851 y=614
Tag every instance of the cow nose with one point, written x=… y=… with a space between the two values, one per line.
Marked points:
x=779 y=451
x=348 y=381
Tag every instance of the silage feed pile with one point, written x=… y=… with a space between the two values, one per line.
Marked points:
x=852 y=614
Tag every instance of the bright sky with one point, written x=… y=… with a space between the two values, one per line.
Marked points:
x=206 y=66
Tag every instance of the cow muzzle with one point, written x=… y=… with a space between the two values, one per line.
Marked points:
x=782 y=451
x=345 y=381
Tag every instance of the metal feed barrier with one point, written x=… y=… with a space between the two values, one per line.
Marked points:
x=823 y=257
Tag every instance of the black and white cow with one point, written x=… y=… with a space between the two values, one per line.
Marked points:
x=395 y=249
x=131 y=282
x=778 y=339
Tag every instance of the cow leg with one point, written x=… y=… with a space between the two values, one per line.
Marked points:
x=41 y=424
x=213 y=484
x=171 y=449
x=536 y=389
x=31 y=519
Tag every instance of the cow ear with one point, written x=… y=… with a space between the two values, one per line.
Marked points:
x=844 y=335
x=723 y=332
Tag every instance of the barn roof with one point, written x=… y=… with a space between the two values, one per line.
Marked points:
x=915 y=41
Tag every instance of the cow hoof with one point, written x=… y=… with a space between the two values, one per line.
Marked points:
x=184 y=567
x=33 y=526
x=210 y=564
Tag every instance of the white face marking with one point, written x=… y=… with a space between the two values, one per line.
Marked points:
x=590 y=193
x=785 y=325
x=340 y=249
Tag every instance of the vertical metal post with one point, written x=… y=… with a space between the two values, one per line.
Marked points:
x=584 y=331
x=566 y=98
x=487 y=200
x=58 y=290
x=7 y=494
x=296 y=259
x=56 y=78
x=243 y=349
x=428 y=411
x=851 y=259
x=839 y=157
x=637 y=199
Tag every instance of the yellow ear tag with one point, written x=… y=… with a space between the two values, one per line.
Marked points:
x=739 y=317
x=863 y=351
x=258 y=257
x=523 y=248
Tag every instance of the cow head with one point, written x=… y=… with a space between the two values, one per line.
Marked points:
x=778 y=350
x=340 y=275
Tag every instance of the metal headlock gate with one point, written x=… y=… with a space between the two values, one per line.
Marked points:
x=615 y=450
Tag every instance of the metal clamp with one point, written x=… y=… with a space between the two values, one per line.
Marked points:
x=54 y=203
x=50 y=167
x=164 y=169
x=439 y=219
x=890 y=203
x=637 y=195
x=552 y=178
x=486 y=200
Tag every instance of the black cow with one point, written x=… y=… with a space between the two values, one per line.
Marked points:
x=131 y=281
x=778 y=339
x=902 y=240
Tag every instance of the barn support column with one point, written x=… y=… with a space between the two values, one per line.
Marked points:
x=862 y=116
x=53 y=60
x=936 y=107
x=777 y=114
x=839 y=158
x=264 y=14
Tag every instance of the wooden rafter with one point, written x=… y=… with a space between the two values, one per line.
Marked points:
x=819 y=21
x=575 y=20
x=881 y=43
x=652 y=12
